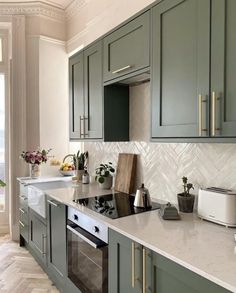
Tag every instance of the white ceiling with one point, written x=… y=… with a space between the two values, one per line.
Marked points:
x=58 y=3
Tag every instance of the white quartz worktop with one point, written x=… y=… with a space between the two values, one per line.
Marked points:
x=205 y=248
x=42 y=179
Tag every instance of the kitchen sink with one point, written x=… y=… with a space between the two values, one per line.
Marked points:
x=37 y=196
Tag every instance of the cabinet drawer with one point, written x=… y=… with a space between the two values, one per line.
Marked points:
x=23 y=190
x=23 y=202
x=24 y=229
x=23 y=216
x=126 y=50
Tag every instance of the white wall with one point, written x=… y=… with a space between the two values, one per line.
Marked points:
x=53 y=100
x=89 y=19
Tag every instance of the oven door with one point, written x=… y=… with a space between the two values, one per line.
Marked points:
x=87 y=260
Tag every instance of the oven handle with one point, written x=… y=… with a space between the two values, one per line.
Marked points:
x=90 y=242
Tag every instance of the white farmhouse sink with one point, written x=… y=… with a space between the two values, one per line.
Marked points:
x=37 y=196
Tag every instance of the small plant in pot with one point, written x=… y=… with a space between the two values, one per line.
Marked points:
x=104 y=175
x=185 y=199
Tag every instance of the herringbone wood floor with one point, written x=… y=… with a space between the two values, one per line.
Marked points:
x=19 y=272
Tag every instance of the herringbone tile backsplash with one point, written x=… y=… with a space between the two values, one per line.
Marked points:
x=162 y=165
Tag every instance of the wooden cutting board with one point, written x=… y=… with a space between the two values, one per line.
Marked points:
x=125 y=173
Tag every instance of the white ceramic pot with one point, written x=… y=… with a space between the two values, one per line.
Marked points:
x=107 y=184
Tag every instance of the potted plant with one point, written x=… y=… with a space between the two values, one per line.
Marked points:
x=80 y=162
x=185 y=199
x=104 y=175
x=2 y=184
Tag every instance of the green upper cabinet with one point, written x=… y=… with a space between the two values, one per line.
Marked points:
x=76 y=78
x=126 y=50
x=86 y=94
x=223 y=68
x=180 y=68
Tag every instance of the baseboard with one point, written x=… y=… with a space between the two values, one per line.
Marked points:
x=4 y=229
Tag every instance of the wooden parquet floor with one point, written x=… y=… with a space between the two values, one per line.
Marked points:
x=19 y=272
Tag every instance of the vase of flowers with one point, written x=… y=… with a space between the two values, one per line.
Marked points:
x=35 y=159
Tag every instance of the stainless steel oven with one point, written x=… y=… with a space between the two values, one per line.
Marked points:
x=87 y=250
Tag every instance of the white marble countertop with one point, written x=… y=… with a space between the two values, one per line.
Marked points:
x=205 y=248
x=42 y=179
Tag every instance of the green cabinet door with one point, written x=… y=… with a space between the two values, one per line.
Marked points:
x=126 y=50
x=76 y=99
x=93 y=92
x=169 y=277
x=37 y=237
x=56 y=241
x=124 y=266
x=180 y=71
x=223 y=68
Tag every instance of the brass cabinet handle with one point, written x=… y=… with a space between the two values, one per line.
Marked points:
x=21 y=210
x=22 y=224
x=121 y=69
x=144 y=270
x=52 y=203
x=86 y=133
x=200 y=102
x=133 y=265
x=43 y=244
x=81 y=118
x=213 y=112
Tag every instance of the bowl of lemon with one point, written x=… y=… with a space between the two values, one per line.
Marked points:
x=67 y=169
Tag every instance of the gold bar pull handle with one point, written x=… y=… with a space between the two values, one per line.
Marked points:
x=121 y=69
x=133 y=265
x=200 y=102
x=213 y=113
x=144 y=270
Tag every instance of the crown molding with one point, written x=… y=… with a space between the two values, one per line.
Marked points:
x=32 y=8
x=73 y=8
x=48 y=39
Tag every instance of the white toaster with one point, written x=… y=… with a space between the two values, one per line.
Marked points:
x=217 y=205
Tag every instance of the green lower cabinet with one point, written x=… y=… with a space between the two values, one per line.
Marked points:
x=37 y=237
x=56 y=242
x=134 y=268
x=123 y=271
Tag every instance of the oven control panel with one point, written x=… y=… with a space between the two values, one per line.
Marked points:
x=89 y=224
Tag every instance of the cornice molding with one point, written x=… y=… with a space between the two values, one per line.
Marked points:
x=73 y=8
x=33 y=8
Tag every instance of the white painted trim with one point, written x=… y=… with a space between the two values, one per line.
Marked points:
x=4 y=229
x=73 y=8
x=32 y=8
x=48 y=39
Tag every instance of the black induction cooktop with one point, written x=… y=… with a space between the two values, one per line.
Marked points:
x=114 y=205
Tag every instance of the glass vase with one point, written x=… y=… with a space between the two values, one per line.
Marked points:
x=34 y=170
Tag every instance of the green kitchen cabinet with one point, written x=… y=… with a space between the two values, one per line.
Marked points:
x=223 y=68
x=76 y=79
x=135 y=268
x=122 y=267
x=127 y=49
x=180 y=68
x=86 y=94
x=23 y=214
x=37 y=237
x=56 y=242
